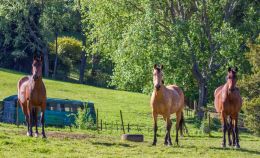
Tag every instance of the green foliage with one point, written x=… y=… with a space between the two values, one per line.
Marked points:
x=214 y=125
x=69 y=52
x=138 y=34
x=81 y=121
x=252 y=113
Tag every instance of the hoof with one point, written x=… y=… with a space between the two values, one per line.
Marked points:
x=154 y=144
x=223 y=145
x=237 y=146
x=29 y=134
x=230 y=144
x=36 y=135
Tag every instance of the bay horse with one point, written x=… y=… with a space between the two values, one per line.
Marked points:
x=166 y=100
x=32 y=96
x=228 y=103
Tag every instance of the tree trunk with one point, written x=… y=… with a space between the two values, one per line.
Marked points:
x=56 y=58
x=82 y=66
x=203 y=92
x=95 y=61
x=46 y=62
x=202 y=82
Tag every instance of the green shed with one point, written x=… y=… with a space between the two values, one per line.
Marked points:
x=59 y=112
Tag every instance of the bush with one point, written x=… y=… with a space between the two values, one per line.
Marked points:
x=214 y=125
x=81 y=121
x=252 y=115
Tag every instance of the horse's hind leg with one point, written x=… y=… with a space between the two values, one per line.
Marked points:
x=43 y=107
x=178 y=120
x=236 y=132
x=155 y=127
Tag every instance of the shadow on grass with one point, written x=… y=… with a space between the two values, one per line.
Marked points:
x=110 y=144
x=241 y=149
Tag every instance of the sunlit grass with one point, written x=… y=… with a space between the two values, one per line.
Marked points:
x=107 y=143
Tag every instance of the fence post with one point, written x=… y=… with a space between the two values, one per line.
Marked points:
x=128 y=128
x=17 y=114
x=122 y=122
x=209 y=124
x=97 y=119
x=195 y=106
x=116 y=126
x=101 y=124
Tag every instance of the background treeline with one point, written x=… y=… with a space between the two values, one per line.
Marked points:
x=114 y=43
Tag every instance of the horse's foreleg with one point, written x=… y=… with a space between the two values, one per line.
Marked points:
x=30 y=118
x=178 y=120
x=155 y=127
x=229 y=124
x=42 y=122
x=236 y=133
x=35 y=111
x=224 y=128
x=168 y=133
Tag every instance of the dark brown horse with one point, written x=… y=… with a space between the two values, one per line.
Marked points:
x=32 y=96
x=166 y=101
x=228 y=103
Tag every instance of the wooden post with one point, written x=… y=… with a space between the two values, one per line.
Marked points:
x=97 y=119
x=209 y=124
x=128 y=128
x=195 y=106
x=122 y=121
x=116 y=126
x=17 y=114
x=101 y=124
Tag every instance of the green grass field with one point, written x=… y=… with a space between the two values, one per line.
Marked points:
x=63 y=142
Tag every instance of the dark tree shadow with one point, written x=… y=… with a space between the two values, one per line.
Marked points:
x=111 y=144
x=241 y=149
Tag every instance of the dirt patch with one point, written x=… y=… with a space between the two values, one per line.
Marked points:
x=64 y=135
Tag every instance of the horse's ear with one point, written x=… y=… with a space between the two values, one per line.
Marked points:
x=229 y=69
x=155 y=66
x=161 y=67
x=41 y=58
x=34 y=56
x=236 y=69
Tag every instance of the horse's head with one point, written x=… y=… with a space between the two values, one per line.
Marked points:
x=37 y=67
x=232 y=78
x=157 y=77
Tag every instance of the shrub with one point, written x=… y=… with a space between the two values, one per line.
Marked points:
x=214 y=124
x=252 y=115
x=81 y=121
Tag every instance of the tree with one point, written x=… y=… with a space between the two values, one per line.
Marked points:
x=250 y=87
x=21 y=29
x=196 y=40
x=68 y=52
x=54 y=19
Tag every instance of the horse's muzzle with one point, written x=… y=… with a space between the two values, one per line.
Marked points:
x=157 y=87
x=35 y=77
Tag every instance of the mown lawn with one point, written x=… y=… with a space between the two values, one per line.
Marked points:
x=65 y=142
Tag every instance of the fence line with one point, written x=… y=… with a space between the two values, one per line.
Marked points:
x=125 y=125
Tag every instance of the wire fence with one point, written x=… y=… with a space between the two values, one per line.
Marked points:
x=124 y=125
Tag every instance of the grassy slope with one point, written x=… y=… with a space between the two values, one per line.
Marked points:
x=108 y=102
x=13 y=143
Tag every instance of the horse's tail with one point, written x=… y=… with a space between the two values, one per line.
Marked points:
x=183 y=125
